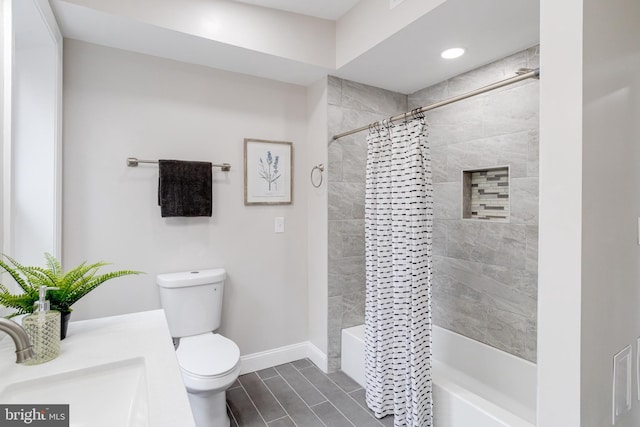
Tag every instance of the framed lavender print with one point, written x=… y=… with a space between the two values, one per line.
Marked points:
x=268 y=171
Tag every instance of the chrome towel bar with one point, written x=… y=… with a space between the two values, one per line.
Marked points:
x=134 y=162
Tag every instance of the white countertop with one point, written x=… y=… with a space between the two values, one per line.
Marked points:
x=107 y=340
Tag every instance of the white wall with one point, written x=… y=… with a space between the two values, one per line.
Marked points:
x=611 y=203
x=252 y=27
x=371 y=22
x=5 y=121
x=31 y=179
x=33 y=165
x=120 y=104
x=559 y=251
x=589 y=299
x=317 y=229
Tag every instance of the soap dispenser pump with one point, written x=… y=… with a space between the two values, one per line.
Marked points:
x=43 y=328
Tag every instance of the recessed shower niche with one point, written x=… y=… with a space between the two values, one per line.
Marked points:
x=485 y=194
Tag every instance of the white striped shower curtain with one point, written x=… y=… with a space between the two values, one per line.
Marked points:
x=398 y=230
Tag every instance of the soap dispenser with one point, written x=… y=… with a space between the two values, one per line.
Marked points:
x=43 y=328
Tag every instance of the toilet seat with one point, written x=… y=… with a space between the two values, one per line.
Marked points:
x=207 y=355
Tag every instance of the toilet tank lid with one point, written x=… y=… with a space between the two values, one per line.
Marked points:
x=191 y=278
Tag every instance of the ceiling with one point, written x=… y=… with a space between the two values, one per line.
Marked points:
x=405 y=62
x=410 y=59
x=325 y=9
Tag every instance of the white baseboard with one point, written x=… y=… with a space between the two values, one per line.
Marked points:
x=318 y=357
x=278 y=356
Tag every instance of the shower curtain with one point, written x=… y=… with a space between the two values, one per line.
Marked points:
x=398 y=230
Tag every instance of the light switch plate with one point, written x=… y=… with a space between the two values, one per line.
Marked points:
x=279 y=224
x=621 y=383
x=394 y=3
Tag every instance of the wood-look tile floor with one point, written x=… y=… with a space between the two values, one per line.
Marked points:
x=299 y=394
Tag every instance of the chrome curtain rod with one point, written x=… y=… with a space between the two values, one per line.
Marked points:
x=132 y=162
x=522 y=74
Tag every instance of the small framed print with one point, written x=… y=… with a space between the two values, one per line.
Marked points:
x=268 y=172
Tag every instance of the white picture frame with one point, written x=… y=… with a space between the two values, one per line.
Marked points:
x=268 y=172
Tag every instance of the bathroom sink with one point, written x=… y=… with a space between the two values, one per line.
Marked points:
x=113 y=394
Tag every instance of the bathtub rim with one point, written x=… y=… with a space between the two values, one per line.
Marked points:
x=519 y=409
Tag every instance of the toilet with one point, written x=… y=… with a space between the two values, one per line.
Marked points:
x=209 y=362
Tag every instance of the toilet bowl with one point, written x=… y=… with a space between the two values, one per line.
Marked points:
x=209 y=362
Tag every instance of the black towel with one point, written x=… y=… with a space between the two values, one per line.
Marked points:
x=184 y=188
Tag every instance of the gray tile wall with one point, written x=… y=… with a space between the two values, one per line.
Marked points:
x=485 y=281
x=351 y=105
x=485 y=274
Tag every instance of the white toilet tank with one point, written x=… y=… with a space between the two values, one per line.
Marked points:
x=192 y=300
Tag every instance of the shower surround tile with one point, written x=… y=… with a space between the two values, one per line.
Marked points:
x=348 y=236
x=346 y=200
x=533 y=156
x=334 y=90
x=499 y=150
x=351 y=105
x=346 y=275
x=510 y=111
x=490 y=243
x=439 y=237
x=341 y=284
x=496 y=285
x=354 y=159
x=485 y=275
x=533 y=57
x=524 y=197
x=459 y=309
x=507 y=331
x=334 y=168
x=532 y=249
x=363 y=97
x=354 y=119
x=430 y=95
x=488 y=74
x=439 y=167
x=530 y=347
x=445 y=122
x=335 y=117
x=449 y=199
x=353 y=309
x=334 y=327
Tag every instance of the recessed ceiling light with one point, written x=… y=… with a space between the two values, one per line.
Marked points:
x=452 y=53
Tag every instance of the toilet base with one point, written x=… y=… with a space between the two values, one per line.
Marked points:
x=209 y=409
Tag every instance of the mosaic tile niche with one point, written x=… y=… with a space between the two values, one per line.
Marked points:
x=486 y=194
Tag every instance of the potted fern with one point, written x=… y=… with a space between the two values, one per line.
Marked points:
x=73 y=285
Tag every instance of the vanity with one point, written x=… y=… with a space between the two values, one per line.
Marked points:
x=114 y=371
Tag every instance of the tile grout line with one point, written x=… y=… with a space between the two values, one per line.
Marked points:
x=273 y=376
x=230 y=411
x=277 y=400
x=303 y=401
x=282 y=418
x=322 y=394
x=253 y=403
x=367 y=410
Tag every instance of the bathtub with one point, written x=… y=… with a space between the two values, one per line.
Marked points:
x=473 y=384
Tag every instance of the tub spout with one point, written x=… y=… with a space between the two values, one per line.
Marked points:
x=24 y=350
